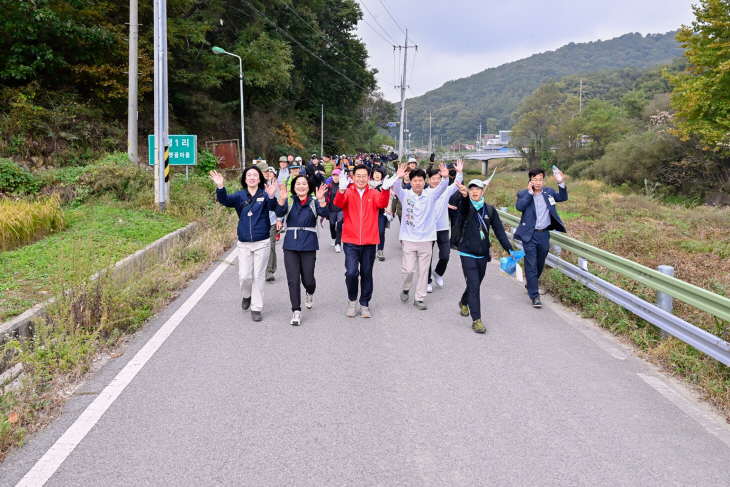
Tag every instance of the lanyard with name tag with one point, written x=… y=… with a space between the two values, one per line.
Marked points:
x=551 y=200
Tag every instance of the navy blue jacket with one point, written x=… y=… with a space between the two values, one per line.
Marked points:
x=526 y=204
x=301 y=216
x=472 y=242
x=252 y=228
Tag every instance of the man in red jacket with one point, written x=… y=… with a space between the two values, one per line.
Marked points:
x=360 y=206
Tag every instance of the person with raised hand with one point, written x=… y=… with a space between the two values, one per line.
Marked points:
x=301 y=242
x=360 y=207
x=418 y=228
x=472 y=239
x=252 y=206
x=442 y=221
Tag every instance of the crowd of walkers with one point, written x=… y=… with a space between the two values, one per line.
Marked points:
x=436 y=212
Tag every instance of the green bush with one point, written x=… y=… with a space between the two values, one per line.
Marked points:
x=115 y=175
x=582 y=170
x=207 y=161
x=638 y=157
x=15 y=179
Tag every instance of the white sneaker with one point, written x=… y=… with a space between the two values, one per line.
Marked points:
x=308 y=300
x=429 y=288
x=332 y=243
x=351 y=308
x=296 y=320
x=338 y=249
x=438 y=279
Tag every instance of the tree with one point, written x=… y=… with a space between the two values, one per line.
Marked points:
x=492 y=126
x=538 y=115
x=700 y=98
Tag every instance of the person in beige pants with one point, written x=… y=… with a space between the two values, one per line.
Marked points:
x=418 y=227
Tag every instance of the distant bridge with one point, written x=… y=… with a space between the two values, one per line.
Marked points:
x=486 y=155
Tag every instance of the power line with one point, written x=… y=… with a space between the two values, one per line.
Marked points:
x=376 y=21
x=329 y=43
x=299 y=43
x=413 y=65
x=374 y=30
x=391 y=16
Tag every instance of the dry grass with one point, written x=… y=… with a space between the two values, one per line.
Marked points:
x=23 y=222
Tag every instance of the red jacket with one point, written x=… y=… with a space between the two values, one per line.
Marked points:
x=360 y=215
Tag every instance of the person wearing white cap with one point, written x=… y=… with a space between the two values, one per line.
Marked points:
x=472 y=238
x=418 y=227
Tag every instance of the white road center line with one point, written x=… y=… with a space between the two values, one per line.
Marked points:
x=55 y=456
x=707 y=420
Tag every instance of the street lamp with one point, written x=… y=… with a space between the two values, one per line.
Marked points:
x=218 y=50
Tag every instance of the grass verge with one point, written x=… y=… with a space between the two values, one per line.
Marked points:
x=91 y=321
x=23 y=221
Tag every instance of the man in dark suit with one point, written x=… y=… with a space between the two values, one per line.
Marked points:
x=539 y=215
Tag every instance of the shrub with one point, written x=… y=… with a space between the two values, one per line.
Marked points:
x=117 y=176
x=582 y=170
x=15 y=179
x=207 y=161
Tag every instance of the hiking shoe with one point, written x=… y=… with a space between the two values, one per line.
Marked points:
x=365 y=311
x=478 y=327
x=536 y=303
x=438 y=280
x=296 y=320
x=528 y=292
x=338 y=249
x=463 y=309
x=420 y=305
x=308 y=300
x=270 y=277
x=245 y=303
x=429 y=288
x=256 y=315
x=404 y=296
x=351 y=308
x=380 y=255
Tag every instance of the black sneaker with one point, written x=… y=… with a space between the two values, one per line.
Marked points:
x=536 y=303
x=245 y=303
x=404 y=296
x=256 y=315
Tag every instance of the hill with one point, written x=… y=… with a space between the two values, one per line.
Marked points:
x=460 y=105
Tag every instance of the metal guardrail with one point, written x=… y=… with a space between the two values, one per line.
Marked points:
x=714 y=304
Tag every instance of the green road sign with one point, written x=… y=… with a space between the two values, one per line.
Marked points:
x=183 y=150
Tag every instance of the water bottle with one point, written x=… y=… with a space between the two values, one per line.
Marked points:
x=555 y=171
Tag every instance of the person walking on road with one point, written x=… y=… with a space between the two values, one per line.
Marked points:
x=539 y=216
x=252 y=206
x=417 y=229
x=442 y=222
x=335 y=217
x=301 y=242
x=283 y=172
x=360 y=206
x=472 y=238
x=270 y=175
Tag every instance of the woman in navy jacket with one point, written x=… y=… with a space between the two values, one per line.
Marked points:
x=252 y=206
x=301 y=241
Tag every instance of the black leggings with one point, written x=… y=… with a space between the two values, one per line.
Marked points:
x=299 y=270
x=442 y=239
x=336 y=229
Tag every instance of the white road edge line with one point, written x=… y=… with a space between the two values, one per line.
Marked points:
x=57 y=454
x=707 y=420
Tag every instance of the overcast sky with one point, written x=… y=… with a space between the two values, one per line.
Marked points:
x=457 y=38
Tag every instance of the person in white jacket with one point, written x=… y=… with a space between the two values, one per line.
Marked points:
x=442 y=223
x=418 y=227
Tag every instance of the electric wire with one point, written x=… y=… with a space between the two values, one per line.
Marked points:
x=376 y=21
x=298 y=43
x=329 y=42
x=381 y=35
x=391 y=16
x=413 y=66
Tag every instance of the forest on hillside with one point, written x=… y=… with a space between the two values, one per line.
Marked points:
x=63 y=81
x=493 y=96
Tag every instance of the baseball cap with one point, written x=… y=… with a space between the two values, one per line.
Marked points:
x=262 y=165
x=298 y=159
x=295 y=165
x=412 y=160
x=476 y=182
x=336 y=172
x=270 y=169
x=283 y=159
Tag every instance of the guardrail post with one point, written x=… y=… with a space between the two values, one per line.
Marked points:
x=583 y=263
x=556 y=250
x=665 y=301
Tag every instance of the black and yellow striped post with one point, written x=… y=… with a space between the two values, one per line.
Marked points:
x=167 y=164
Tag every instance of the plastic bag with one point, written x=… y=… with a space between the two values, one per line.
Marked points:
x=509 y=264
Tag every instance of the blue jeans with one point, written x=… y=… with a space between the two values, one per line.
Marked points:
x=359 y=261
x=536 y=251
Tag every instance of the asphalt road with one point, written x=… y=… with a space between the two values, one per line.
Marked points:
x=407 y=397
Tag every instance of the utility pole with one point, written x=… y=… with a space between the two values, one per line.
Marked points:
x=321 y=139
x=430 y=148
x=408 y=145
x=132 y=95
x=581 y=95
x=480 y=136
x=403 y=102
x=161 y=120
